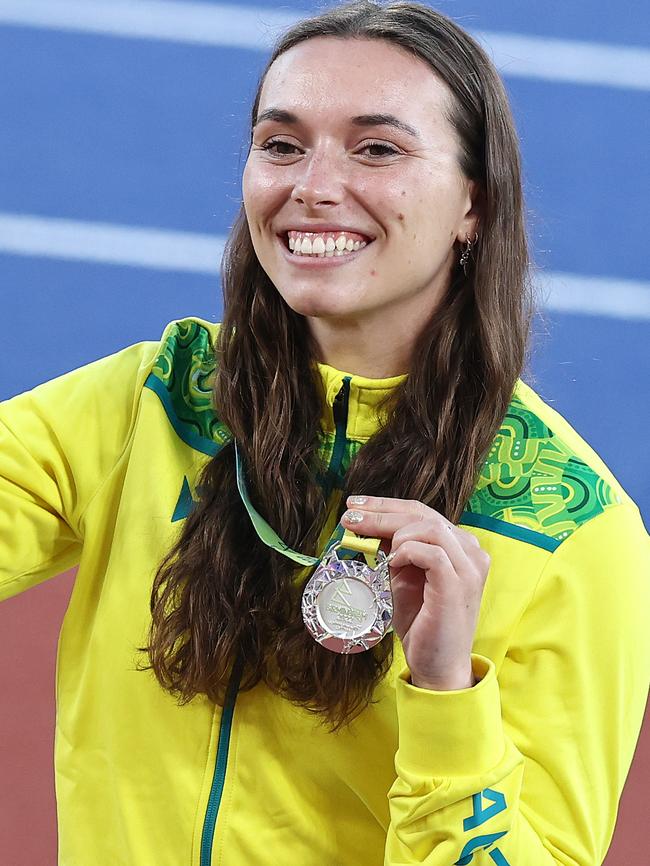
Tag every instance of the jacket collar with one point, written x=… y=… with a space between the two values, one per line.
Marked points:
x=362 y=412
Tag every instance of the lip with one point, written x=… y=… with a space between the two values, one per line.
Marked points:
x=323 y=228
x=316 y=261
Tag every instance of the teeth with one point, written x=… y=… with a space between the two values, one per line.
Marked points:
x=308 y=245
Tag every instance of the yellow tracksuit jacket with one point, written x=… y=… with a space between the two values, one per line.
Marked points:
x=98 y=468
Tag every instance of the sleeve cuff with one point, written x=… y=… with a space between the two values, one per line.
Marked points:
x=451 y=733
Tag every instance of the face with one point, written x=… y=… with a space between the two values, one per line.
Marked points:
x=353 y=149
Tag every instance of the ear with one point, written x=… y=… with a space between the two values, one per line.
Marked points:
x=473 y=204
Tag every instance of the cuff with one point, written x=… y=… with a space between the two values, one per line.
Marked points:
x=451 y=733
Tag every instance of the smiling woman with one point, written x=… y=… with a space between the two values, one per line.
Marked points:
x=404 y=616
x=365 y=162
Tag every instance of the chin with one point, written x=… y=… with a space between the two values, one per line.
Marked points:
x=318 y=305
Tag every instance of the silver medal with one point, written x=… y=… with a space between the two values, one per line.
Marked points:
x=347 y=606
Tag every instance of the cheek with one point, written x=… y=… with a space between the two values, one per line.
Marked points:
x=430 y=219
x=260 y=189
x=246 y=177
x=248 y=198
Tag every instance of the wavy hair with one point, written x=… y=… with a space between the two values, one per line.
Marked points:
x=220 y=595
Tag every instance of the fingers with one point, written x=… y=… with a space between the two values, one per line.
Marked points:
x=424 y=556
x=381 y=504
x=382 y=517
x=403 y=520
x=444 y=578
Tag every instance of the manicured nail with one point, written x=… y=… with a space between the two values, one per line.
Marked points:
x=353 y=516
x=358 y=500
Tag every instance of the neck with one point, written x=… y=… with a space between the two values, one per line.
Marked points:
x=363 y=348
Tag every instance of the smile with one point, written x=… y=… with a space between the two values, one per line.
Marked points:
x=326 y=244
x=327 y=258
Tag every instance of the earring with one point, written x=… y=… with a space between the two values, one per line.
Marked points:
x=467 y=251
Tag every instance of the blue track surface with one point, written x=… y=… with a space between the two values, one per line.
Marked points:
x=151 y=133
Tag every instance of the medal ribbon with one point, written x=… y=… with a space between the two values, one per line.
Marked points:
x=350 y=543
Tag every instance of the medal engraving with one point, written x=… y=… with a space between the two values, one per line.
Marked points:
x=348 y=606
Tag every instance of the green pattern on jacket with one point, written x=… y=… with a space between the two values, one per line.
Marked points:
x=530 y=478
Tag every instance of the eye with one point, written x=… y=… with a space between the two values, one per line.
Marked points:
x=386 y=148
x=274 y=147
x=275 y=143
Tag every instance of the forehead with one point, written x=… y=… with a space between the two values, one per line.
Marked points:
x=329 y=75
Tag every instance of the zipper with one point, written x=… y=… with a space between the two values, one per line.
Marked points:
x=220 y=765
x=340 y=411
x=333 y=475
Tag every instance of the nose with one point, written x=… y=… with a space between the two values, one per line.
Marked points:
x=319 y=181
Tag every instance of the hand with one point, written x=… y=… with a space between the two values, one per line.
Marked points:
x=438 y=573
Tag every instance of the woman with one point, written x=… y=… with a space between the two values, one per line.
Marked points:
x=365 y=380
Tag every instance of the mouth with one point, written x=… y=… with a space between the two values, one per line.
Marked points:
x=327 y=248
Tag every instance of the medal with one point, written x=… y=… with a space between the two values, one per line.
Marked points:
x=347 y=605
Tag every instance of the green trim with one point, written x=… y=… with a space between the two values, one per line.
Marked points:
x=183 y=377
x=220 y=765
x=533 y=480
x=185 y=502
x=189 y=436
x=511 y=530
x=340 y=413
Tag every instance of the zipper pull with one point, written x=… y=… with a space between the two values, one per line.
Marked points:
x=339 y=407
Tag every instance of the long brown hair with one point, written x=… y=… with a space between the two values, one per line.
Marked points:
x=220 y=594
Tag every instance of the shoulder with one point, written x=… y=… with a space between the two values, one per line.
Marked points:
x=182 y=376
x=541 y=481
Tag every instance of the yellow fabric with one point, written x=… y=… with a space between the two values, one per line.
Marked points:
x=367 y=546
x=524 y=769
x=366 y=396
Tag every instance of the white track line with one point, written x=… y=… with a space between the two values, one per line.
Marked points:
x=111 y=244
x=595 y=296
x=160 y=249
x=243 y=26
x=568 y=61
x=198 y=23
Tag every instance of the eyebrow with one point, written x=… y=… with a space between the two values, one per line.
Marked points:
x=282 y=116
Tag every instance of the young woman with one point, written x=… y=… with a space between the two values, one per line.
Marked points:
x=220 y=699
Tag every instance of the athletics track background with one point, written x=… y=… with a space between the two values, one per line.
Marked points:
x=122 y=136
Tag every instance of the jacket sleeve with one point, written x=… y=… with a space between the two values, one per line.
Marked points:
x=527 y=768
x=58 y=444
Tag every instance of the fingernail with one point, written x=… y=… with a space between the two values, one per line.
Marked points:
x=353 y=516
x=358 y=500
x=391 y=557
